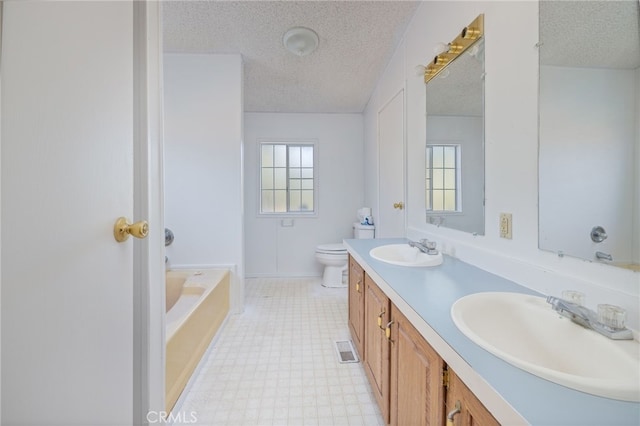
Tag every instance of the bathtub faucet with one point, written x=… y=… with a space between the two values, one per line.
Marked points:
x=603 y=256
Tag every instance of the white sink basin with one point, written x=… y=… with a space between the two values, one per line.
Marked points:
x=404 y=255
x=524 y=331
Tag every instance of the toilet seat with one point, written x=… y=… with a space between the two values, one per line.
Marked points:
x=332 y=249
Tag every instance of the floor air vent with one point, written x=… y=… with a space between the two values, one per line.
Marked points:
x=345 y=350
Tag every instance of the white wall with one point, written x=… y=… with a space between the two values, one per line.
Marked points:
x=275 y=250
x=511 y=144
x=1 y=20
x=636 y=201
x=203 y=162
x=587 y=168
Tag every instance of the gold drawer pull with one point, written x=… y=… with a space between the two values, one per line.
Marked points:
x=380 y=319
x=453 y=413
x=387 y=332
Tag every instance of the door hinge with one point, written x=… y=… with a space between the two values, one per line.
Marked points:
x=445 y=377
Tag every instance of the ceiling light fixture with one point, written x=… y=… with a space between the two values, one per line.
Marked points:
x=300 y=41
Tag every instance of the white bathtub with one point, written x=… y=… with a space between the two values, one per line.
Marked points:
x=197 y=304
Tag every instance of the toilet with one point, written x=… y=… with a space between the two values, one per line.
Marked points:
x=335 y=258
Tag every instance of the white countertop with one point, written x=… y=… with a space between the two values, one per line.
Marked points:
x=512 y=395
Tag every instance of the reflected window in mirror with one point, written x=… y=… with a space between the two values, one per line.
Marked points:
x=454 y=185
x=589 y=130
x=443 y=178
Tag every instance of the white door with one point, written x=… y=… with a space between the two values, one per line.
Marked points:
x=67 y=134
x=391 y=215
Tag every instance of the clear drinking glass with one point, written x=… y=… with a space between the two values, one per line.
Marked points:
x=612 y=316
x=574 y=296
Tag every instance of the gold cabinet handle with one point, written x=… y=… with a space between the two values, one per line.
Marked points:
x=358 y=285
x=453 y=413
x=380 y=319
x=387 y=332
x=398 y=205
x=122 y=229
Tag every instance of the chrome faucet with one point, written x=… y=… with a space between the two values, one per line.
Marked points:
x=587 y=318
x=603 y=256
x=420 y=245
x=425 y=246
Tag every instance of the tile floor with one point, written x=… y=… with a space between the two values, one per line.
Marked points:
x=276 y=363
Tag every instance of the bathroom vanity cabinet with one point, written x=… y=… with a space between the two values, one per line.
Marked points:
x=356 y=304
x=409 y=379
x=408 y=367
x=417 y=372
x=463 y=405
x=376 y=345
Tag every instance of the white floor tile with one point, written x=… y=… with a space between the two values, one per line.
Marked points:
x=275 y=364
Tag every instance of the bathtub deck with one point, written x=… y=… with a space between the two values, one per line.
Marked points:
x=191 y=324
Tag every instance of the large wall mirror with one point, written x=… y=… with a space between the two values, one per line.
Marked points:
x=589 y=153
x=454 y=175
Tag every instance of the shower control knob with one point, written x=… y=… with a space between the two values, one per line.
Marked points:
x=598 y=234
x=122 y=229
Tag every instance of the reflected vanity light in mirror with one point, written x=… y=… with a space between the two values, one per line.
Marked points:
x=589 y=132
x=454 y=155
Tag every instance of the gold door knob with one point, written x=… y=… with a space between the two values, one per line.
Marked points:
x=398 y=205
x=122 y=229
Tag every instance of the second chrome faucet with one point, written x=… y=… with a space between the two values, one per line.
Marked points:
x=425 y=246
x=590 y=319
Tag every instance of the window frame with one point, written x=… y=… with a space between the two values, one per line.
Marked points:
x=458 y=171
x=288 y=142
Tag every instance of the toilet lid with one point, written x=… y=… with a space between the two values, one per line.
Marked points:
x=331 y=248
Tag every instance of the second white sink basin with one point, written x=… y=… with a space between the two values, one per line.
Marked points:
x=404 y=255
x=524 y=331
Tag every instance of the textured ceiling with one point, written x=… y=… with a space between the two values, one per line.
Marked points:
x=357 y=39
x=596 y=34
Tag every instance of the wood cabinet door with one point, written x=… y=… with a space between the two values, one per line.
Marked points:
x=356 y=305
x=417 y=391
x=376 y=346
x=472 y=412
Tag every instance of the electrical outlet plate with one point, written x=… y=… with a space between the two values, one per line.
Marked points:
x=505 y=225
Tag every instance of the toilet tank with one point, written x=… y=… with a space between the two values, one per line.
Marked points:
x=362 y=232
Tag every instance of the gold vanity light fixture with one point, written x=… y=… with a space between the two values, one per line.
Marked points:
x=457 y=47
x=442 y=59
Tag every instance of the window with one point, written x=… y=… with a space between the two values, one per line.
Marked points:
x=287 y=180
x=443 y=178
